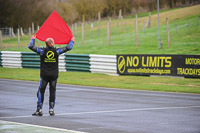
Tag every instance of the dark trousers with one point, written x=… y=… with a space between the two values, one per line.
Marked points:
x=41 y=91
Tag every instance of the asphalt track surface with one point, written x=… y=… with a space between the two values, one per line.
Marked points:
x=98 y=110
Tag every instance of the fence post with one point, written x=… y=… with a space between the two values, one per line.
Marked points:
x=99 y=16
x=149 y=22
x=29 y=32
x=144 y=28
x=176 y=27
x=83 y=19
x=122 y=24
x=188 y=27
x=108 y=32
x=72 y=28
x=22 y=33
x=120 y=14
x=110 y=26
x=136 y=31
x=82 y=31
x=75 y=29
x=13 y=35
x=168 y=33
x=86 y=29
x=10 y=31
x=18 y=37
x=1 y=42
x=33 y=28
x=38 y=27
x=199 y=22
x=98 y=28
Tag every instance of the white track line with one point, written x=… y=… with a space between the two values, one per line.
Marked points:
x=45 y=127
x=108 y=111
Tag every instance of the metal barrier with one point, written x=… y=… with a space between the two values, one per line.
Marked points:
x=62 y=63
x=0 y=59
x=77 y=62
x=11 y=59
x=67 y=62
x=30 y=60
x=103 y=64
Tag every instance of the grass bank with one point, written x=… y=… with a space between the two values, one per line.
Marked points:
x=165 y=84
x=184 y=35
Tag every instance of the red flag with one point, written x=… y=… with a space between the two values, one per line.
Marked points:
x=56 y=28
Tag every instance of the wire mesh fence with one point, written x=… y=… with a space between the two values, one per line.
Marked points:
x=118 y=31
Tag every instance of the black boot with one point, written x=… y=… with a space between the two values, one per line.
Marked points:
x=38 y=113
x=51 y=110
x=39 y=110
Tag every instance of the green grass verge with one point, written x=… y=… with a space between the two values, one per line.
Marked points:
x=165 y=84
x=184 y=38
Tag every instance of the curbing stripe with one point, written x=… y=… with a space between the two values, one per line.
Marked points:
x=44 y=127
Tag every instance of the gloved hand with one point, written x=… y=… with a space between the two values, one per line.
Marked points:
x=33 y=37
x=71 y=44
x=73 y=39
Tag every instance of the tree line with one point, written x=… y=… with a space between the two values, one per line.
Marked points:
x=21 y=13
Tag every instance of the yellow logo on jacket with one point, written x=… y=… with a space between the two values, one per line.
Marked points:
x=50 y=57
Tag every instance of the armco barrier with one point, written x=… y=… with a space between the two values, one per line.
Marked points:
x=67 y=62
x=30 y=60
x=0 y=58
x=77 y=62
x=11 y=59
x=62 y=63
x=103 y=64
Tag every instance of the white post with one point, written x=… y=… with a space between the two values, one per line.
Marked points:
x=99 y=16
x=98 y=28
x=199 y=22
x=82 y=31
x=18 y=37
x=22 y=33
x=13 y=35
x=72 y=28
x=33 y=28
x=29 y=32
x=108 y=32
x=149 y=22
x=75 y=29
x=38 y=27
x=10 y=32
x=168 y=33
x=1 y=41
x=120 y=14
x=122 y=24
x=159 y=39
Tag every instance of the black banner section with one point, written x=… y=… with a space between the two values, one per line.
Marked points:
x=172 y=65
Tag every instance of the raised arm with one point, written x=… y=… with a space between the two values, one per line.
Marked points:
x=32 y=46
x=66 y=48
